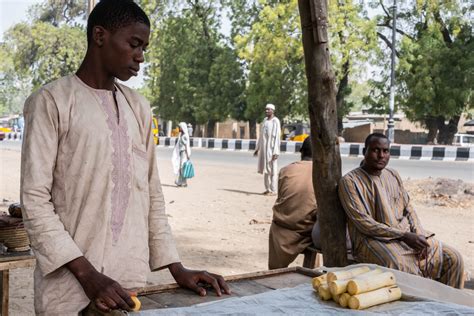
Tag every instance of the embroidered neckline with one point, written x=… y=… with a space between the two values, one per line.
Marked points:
x=120 y=161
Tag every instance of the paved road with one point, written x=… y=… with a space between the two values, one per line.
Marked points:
x=407 y=168
x=413 y=169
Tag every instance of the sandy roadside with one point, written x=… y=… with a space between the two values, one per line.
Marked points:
x=221 y=222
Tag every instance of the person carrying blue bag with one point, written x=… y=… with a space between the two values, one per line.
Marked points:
x=182 y=165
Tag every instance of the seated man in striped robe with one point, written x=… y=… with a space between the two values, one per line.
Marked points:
x=383 y=225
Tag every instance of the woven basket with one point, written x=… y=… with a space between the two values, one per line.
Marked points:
x=13 y=234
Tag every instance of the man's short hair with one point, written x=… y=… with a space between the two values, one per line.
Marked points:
x=306 y=149
x=374 y=135
x=115 y=14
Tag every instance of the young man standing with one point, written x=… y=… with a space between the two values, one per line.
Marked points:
x=90 y=189
x=268 y=149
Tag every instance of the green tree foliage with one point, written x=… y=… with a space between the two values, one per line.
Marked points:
x=436 y=65
x=273 y=53
x=43 y=52
x=272 y=50
x=194 y=76
x=52 y=45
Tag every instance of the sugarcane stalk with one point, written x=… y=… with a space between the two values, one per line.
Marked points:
x=324 y=293
x=340 y=286
x=318 y=281
x=380 y=296
x=346 y=274
x=362 y=285
x=344 y=299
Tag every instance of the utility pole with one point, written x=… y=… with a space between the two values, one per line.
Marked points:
x=90 y=5
x=391 y=121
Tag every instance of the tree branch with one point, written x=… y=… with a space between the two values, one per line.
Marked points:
x=386 y=24
x=385 y=9
x=444 y=30
x=389 y=44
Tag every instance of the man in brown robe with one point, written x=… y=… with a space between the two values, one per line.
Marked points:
x=294 y=212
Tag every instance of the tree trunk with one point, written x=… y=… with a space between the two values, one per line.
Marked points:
x=432 y=127
x=447 y=131
x=211 y=124
x=341 y=93
x=323 y=118
x=253 y=129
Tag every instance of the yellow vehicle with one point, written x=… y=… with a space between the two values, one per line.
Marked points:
x=155 y=131
x=296 y=132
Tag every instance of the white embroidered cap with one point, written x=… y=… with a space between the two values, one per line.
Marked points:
x=270 y=106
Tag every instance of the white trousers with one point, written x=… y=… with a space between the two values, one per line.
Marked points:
x=271 y=181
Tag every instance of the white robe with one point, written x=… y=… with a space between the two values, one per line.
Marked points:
x=268 y=145
x=182 y=150
x=90 y=187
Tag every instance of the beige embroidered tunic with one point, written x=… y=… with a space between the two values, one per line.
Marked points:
x=90 y=187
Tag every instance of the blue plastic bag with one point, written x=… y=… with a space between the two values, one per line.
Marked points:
x=188 y=169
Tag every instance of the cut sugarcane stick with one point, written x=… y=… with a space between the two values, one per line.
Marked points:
x=340 y=286
x=380 y=296
x=362 y=285
x=344 y=299
x=318 y=281
x=336 y=298
x=346 y=274
x=324 y=293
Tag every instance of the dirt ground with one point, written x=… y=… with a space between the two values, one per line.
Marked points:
x=221 y=221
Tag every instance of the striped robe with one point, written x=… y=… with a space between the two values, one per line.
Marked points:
x=379 y=212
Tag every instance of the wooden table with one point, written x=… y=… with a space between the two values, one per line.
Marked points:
x=166 y=296
x=10 y=261
x=171 y=295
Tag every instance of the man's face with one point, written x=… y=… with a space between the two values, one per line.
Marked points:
x=268 y=112
x=123 y=49
x=377 y=154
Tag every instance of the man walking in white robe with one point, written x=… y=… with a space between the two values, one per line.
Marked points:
x=268 y=149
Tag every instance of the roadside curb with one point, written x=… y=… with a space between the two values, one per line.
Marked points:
x=13 y=136
x=397 y=151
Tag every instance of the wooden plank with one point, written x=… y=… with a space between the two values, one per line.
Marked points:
x=248 y=276
x=23 y=263
x=5 y=291
x=11 y=256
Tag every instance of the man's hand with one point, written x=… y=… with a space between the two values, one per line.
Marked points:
x=106 y=293
x=417 y=242
x=255 y=153
x=191 y=278
x=274 y=157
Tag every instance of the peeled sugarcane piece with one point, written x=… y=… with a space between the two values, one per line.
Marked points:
x=362 y=285
x=336 y=298
x=340 y=286
x=324 y=293
x=347 y=274
x=380 y=296
x=318 y=281
x=137 y=302
x=344 y=299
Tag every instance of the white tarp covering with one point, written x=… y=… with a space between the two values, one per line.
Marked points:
x=420 y=297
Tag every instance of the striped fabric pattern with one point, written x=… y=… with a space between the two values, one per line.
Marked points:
x=379 y=212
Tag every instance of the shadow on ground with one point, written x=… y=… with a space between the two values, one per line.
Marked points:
x=241 y=191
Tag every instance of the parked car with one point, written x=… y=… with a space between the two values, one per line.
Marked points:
x=155 y=131
x=464 y=140
x=295 y=131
